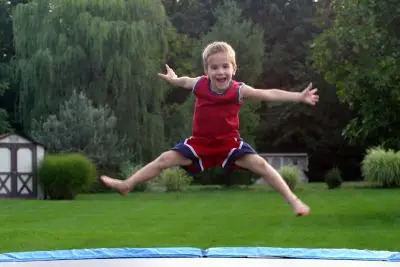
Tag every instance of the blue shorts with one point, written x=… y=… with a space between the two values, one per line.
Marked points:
x=207 y=153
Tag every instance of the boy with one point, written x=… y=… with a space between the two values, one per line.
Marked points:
x=215 y=139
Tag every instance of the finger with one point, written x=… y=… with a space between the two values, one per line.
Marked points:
x=307 y=89
x=168 y=68
x=162 y=75
x=313 y=91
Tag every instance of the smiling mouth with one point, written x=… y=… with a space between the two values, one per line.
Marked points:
x=220 y=80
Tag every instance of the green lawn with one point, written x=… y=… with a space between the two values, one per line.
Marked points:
x=347 y=218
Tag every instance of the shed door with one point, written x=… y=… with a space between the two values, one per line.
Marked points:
x=5 y=171
x=18 y=171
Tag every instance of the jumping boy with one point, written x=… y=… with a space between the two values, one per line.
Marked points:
x=215 y=136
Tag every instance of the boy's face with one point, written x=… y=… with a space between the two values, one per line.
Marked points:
x=220 y=71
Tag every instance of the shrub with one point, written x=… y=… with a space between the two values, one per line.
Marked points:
x=333 y=178
x=227 y=178
x=174 y=179
x=382 y=167
x=80 y=127
x=63 y=176
x=291 y=174
x=239 y=177
x=211 y=176
x=128 y=169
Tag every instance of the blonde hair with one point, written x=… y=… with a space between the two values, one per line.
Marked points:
x=219 y=47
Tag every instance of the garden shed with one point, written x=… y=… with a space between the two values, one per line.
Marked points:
x=19 y=160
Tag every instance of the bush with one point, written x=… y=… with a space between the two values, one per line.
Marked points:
x=227 y=178
x=382 y=167
x=333 y=178
x=239 y=177
x=291 y=174
x=212 y=176
x=174 y=179
x=80 y=127
x=63 y=176
x=128 y=169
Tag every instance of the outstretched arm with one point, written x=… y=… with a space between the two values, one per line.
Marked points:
x=308 y=95
x=173 y=79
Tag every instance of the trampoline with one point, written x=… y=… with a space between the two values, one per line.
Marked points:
x=213 y=257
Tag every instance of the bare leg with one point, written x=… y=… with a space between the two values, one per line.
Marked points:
x=257 y=164
x=154 y=168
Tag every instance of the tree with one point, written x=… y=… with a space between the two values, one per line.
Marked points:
x=79 y=127
x=192 y=17
x=289 y=31
x=111 y=50
x=4 y=123
x=289 y=28
x=177 y=109
x=6 y=53
x=360 y=56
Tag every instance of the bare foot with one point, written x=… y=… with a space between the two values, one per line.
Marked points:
x=115 y=184
x=300 y=208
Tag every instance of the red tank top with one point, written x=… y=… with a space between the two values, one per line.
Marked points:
x=216 y=116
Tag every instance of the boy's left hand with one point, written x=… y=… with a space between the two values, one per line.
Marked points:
x=309 y=95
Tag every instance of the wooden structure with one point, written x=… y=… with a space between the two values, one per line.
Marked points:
x=19 y=161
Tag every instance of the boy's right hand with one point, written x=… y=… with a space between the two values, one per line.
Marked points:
x=173 y=79
x=170 y=76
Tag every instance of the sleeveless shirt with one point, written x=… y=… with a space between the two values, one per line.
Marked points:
x=216 y=116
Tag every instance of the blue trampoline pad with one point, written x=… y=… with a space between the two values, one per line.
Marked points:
x=179 y=257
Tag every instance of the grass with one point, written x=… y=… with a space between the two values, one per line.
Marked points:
x=352 y=217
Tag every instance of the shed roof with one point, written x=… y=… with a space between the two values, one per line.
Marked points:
x=4 y=135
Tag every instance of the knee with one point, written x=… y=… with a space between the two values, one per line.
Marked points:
x=260 y=164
